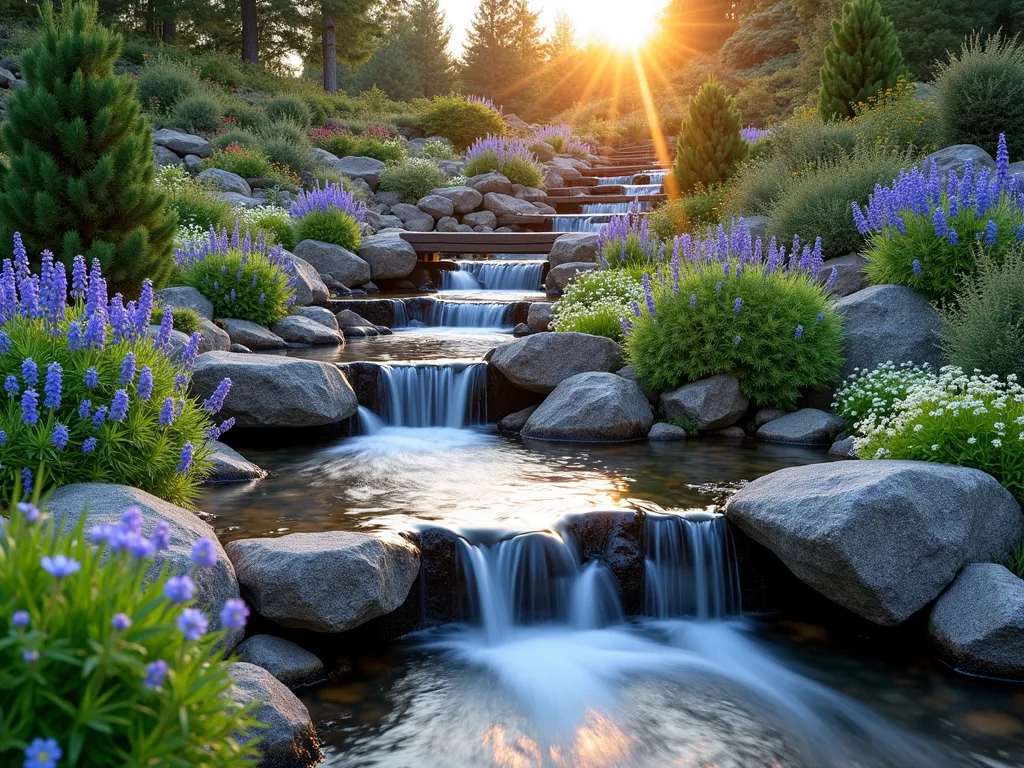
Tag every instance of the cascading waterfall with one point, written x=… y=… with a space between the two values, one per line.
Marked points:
x=454 y=314
x=596 y=215
x=400 y=315
x=498 y=275
x=432 y=395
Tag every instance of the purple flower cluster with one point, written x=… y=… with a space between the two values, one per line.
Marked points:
x=331 y=196
x=485 y=102
x=127 y=536
x=501 y=148
x=753 y=135
x=628 y=238
x=560 y=136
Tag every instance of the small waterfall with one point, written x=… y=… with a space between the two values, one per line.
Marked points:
x=577 y=223
x=425 y=395
x=614 y=181
x=400 y=315
x=453 y=314
x=494 y=276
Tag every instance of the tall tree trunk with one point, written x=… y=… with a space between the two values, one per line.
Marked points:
x=167 y=30
x=250 y=38
x=330 y=54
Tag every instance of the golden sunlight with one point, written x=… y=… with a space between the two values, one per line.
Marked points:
x=624 y=24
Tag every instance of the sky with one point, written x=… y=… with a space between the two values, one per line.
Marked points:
x=593 y=18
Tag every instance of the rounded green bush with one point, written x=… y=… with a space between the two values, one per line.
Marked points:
x=695 y=212
x=782 y=338
x=275 y=223
x=286 y=130
x=389 y=151
x=97 y=666
x=196 y=114
x=242 y=114
x=330 y=226
x=980 y=94
x=289 y=108
x=182 y=319
x=243 y=137
x=247 y=163
x=281 y=151
x=248 y=283
x=194 y=204
x=412 y=179
x=517 y=169
x=461 y=121
x=163 y=84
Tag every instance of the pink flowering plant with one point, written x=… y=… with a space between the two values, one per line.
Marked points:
x=91 y=390
x=105 y=660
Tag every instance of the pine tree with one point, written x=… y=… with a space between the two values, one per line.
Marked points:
x=429 y=37
x=81 y=170
x=490 y=60
x=709 y=145
x=862 y=59
x=562 y=40
x=392 y=69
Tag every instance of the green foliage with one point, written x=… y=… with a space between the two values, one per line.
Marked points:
x=244 y=138
x=196 y=114
x=192 y=202
x=709 y=145
x=330 y=226
x=774 y=345
x=85 y=683
x=931 y=423
x=594 y=301
x=80 y=175
x=247 y=163
x=274 y=223
x=517 y=169
x=688 y=425
x=980 y=94
x=438 y=150
x=412 y=179
x=695 y=212
x=164 y=83
x=389 y=151
x=1015 y=561
x=289 y=108
x=240 y=114
x=244 y=286
x=863 y=59
x=460 y=121
x=941 y=264
x=816 y=203
x=807 y=141
x=898 y=119
x=764 y=35
x=288 y=130
x=183 y=319
x=871 y=394
x=281 y=151
x=983 y=329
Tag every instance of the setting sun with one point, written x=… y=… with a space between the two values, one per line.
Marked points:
x=626 y=26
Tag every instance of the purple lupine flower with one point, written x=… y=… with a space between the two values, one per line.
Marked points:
x=953 y=237
x=30 y=511
x=79 y=278
x=119 y=406
x=20 y=619
x=753 y=135
x=59 y=566
x=6 y=345
x=60 y=437
x=216 y=401
x=156 y=672
x=3 y=438
x=736 y=340
x=204 y=553
x=328 y=197
x=99 y=417
x=186 y=458
x=140 y=548
x=145 y=388
x=736 y=305
x=121 y=622
x=162 y=341
x=192 y=623
x=832 y=277
x=132 y=519
x=85 y=409
x=917 y=267
x=30 y=407
x=29 y=372
x=939 y=222
x=96 y=330
x=161 y=536
x=234 y=614
x=27 y=480
x=143 y=314
x=693 y=301
x=799 y=333
x=89 y=445
x=648 y=296
x=179 y=589
x=127 y=368
x=991 y=232
x=53 y=385
x=11 y=386
x=92 y=378
x=187 y=358
x=1002 y=161
x=821 y=317
x=167 y=412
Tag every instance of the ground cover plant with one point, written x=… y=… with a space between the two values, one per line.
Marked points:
x=461 y=121
x=595 y=302
x=511 y=157
x=330 y=214
x=412 y=179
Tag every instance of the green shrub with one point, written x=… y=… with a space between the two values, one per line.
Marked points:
x=337 y=142
x=182 y=319
x=273 y=222
x=757 y=185
x=220 y=68
x=192 y=202
x=594 y=302
x=868 y=395
x=247 y=163
x=196 y=114
x=804 y=142
x=931 y=424
x=243 y=138
x=240 y=114
x=632 y=128
x=980 y=94
x=289 y=108
x=628 y=243
x=389 y=151
x=80 y=155
x=983 y=329
x=412 y=179
x=461 y=121
x=774 y=330
x=862 y=59
x=330 y=226
x=162 y=84
x=438 y=150
x=104 y=664
x=100 y=355
x=247 y=282
x=709 y=146
x=287 y=130
x=898 y=119
x=693 y=213
x=761 y=36
x=281 y=151
x=816 y=203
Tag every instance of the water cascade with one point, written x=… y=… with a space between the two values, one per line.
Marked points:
x=596 y=215
x=499 y=275
x=431 y=395
x=454 y=314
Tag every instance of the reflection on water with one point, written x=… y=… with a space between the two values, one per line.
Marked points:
x=410 y=344
x=477 y=478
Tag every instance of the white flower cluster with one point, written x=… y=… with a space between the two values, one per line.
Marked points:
x=171 y=178
x=189 y=233
x=597 y=292
x=254 y=217
x=870 y=394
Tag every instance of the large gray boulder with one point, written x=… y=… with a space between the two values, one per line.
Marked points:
x=225 y=181
x=229 y=466
x=302 y=330
x=540 y=315
x=712 y=403
x=977 y=625
x=850 y=276
x=103 y=504
x=330 y=259
x=164 y=157
x=289 y=739
x=309 y=286
x=464 y=199
x=323 y=157
x=808 y=426
x=880 y=538
x=215 y=338
x=182 y=143
x=367 y=169
x=592 y=407
x=251 y=335
x=186 y=297
x=574 y=247
x=559 y=277
x=506 y=205
x=271 y=391
x=292 y=664
x=888 y=323
x=412 y=218
x=490 y=182
x=540 y=363
x=325 y=582
x=321 y=315
x=437 y=206
x=954 y=158
x=389 y=256
x=480 y=219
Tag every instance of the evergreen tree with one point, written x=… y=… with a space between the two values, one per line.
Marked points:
x=562 y=41
x=862 y=59
x=489 y=60
x=709 y=145
x=81 y=170
x=429 y=37
x=393 y=70
x=358 y=24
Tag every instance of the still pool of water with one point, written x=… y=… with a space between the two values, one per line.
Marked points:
x=472 y=478
x=410 y=344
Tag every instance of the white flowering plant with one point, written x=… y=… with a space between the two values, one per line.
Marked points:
x=971 y=420
x=595 y=301
x=871 y=393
